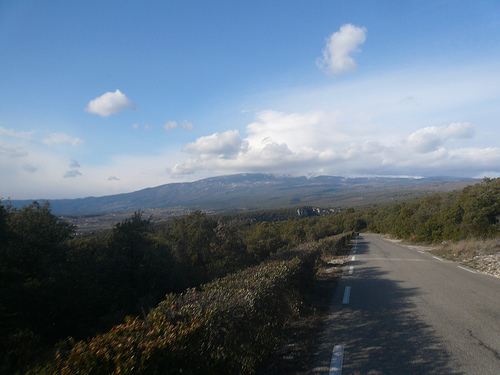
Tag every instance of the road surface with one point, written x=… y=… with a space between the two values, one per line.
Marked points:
x=398 y=310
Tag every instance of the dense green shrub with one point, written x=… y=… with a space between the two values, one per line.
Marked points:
x=54 y=285
x=228 y=326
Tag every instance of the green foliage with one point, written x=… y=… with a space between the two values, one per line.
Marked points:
x=264 y=239
x=204 y=248
x=473 y=212
x=33 y=247
x=53 y=285
x=37 y=238
x=229 y=326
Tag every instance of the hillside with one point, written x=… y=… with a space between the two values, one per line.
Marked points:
x=242 y=192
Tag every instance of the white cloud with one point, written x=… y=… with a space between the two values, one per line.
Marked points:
x=340 y=45
x=173 y=124
x=318 y=142
x=431 y=138
x=110 y=103
x=13 y=133
x=170 y=125
x=61 y=138
x=225 y=144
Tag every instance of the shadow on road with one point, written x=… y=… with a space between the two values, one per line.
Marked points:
x=380 y=332
x=361 y=248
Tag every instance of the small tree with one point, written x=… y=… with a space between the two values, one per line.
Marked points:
x=37 y=239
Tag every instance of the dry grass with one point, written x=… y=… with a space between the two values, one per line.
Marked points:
x=483 y=255
x=470 y=248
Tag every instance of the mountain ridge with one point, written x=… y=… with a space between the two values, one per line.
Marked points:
x=249 y=191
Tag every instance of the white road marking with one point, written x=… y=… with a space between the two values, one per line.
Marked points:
x=421 y=252
x=437 y=258
x=354 y=251
x=467 y=269
x=347 y=295
x=337 y=359
x=401 y=259
x=351 y=270
x=353 y=258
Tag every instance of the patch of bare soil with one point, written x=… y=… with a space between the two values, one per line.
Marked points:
x=295 y=354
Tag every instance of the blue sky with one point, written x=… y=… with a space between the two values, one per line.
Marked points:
x=106 y=97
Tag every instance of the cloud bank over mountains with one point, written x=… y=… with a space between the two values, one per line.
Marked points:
x=323 y=143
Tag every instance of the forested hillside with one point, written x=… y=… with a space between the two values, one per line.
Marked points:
x=473 y=212
x=54 y=285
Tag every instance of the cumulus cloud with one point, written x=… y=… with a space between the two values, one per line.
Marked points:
x=429 y=139
x=225 y=144
x=276 y=141
x=325 y=143
x=110 y=103
x=339 y=47
x=61 y=138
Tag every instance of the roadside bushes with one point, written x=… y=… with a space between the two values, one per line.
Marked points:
x=228 y=326
x=473 y=212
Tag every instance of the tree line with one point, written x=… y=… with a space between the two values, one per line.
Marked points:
x=473 y=212
x=54 y=284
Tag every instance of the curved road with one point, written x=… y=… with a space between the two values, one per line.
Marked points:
x=401 y=311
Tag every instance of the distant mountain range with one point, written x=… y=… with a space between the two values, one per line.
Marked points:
x=254 y=191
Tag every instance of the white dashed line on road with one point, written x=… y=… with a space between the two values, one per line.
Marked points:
x=438 y=258
x=347 y=295
x=351 y=270
x=337 y=359
x=353 y=258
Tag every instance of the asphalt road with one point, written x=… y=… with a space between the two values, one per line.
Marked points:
x=410 y=313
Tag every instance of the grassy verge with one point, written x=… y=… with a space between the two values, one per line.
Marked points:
x=482 y=255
